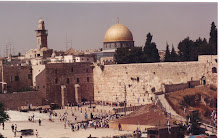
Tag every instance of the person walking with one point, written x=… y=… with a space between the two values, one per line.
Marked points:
x=39 y=121
x=15 y=127
x=15 y=132
x=119 y=127
x=12 y=127
x=33 y=118
x=3 y=125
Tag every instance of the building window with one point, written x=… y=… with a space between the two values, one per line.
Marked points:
x=67 y=80
x=16 y=78
x=216 y=60
x=56 y=80
x=87 y=79
x=11 y=78
x=77 y=80
x=82 y=58
x=29 y=76
x=72 y=69
x=214 y=70
x=87 y=70
x=43 y=86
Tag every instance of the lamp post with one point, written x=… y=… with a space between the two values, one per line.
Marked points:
x=125 y=101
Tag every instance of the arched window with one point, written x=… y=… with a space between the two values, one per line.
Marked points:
x=214 y=70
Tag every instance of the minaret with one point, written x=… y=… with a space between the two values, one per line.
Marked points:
x=41 y=35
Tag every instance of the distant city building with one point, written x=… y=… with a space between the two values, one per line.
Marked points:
x=47 y=76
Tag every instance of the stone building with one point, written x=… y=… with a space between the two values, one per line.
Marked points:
x=72 y=82
x=15 y=78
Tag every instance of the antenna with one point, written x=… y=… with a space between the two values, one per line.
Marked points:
x=66 y=42
x=13 y=50
x=117 y=20
x=6 y=50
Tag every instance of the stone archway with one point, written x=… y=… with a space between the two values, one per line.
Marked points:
x=203 y=80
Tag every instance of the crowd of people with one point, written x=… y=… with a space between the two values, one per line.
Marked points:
x=89 y=120
x=92 y=121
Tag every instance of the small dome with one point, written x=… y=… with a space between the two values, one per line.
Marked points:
x=40 y=21
x=118 y=32
x=44 y=49
x=41 y=25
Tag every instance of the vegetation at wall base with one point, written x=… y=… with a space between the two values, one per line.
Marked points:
x=3 y=115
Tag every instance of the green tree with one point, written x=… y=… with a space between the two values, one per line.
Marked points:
x=213 y=34
x=125 y=55
x=195 y=122
x=173 y=55
x=185 y=49
x=213 y=39
x=121 y=55
x=135 y=55
x=3 y=115
x=150 y=50
x=167 y=57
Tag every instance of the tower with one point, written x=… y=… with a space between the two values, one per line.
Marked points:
x=41 y=35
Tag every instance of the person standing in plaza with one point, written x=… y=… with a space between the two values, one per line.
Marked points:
x=3 y=125
x=39 y=121
x=12 y=127
x=15 y=127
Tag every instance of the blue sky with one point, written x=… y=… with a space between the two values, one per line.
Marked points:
x=85 y=23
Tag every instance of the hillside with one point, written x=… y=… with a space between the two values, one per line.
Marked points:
x=203 y=99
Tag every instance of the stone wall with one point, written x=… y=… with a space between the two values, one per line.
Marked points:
x=141 y=81
x=15 y=100
x=182 y=86
x=36 y=69
x=17 y=78
x=55 y=75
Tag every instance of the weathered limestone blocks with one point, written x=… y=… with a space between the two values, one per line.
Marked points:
x=142 y=80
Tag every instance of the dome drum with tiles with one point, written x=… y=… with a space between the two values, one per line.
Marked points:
x=118 y=36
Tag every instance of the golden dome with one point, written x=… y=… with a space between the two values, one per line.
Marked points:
x=118 y=32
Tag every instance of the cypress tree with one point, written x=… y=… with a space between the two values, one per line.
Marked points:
x=167 y=57
x=213 y=39
x=173 y=55
x=150 y=50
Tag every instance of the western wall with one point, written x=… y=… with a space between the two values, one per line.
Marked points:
x=140 y=81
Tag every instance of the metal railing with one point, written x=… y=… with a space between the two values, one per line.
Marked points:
x=132 y=108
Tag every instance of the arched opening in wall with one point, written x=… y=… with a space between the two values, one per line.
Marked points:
x=203 y=80
x=214 y=70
